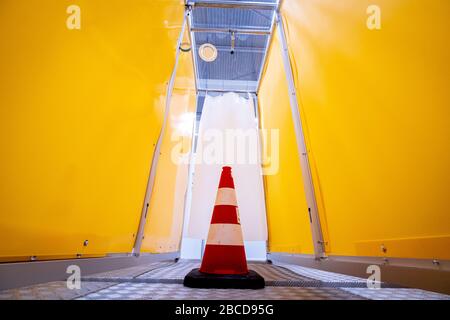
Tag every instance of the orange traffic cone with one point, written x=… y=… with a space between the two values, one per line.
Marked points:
x=224 y=251
x=224 y=264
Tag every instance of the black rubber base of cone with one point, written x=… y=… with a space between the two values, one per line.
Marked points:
x=197 y=279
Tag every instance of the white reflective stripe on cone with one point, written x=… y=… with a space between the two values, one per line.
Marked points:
x=225 y=234
x=226 y=196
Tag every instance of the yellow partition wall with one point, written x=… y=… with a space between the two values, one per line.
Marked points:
x=377 y=107
x=287 y=211
x=164 y=224
x=80 y=111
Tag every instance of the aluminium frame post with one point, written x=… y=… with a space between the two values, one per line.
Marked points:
x=151 y=180
x=316 y=229
x=190 y=178
x=260 y=157
x=193 y=45
x=266 y=51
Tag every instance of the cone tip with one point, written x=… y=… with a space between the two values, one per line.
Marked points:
x=226 y=168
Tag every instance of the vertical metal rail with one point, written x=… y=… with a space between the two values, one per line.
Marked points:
x=316 y=230
x=193 y=47
x=260 y=156
x=156 y=153
x=188 y=194
x=191 y=166
x=266 y=52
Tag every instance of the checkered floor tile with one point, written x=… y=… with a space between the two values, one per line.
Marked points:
x=144 y=291
x=182 y=268
x=396 y=294
x=128 y=273
x=53 y=291
x=277 y=273
x=163 y=280
x=319 y=274
x=174 y=271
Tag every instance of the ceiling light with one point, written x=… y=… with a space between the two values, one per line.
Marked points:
x=207 y=52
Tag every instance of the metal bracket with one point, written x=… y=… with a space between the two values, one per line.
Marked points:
x=233 y=41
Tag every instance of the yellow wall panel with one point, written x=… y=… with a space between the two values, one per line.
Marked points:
x=79 y=112
x=419 y=247
x=377 y=107
x=287 y=212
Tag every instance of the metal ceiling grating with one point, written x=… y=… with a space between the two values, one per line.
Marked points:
x=214 y=22
x=231 y=18
x=223 y=40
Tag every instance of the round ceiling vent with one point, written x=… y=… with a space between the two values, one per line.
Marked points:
x=207 y=52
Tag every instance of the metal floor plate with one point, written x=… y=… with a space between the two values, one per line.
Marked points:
x=145 y=291
x=319 y=274
x=396 y=294
x=163 y=280
x=53 y=291
x=128 y=273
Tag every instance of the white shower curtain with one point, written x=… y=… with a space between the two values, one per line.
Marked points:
x=224 y=118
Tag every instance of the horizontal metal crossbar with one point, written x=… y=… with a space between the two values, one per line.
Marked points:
x=233 y=4
x=224 y=91
x=236 y=31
